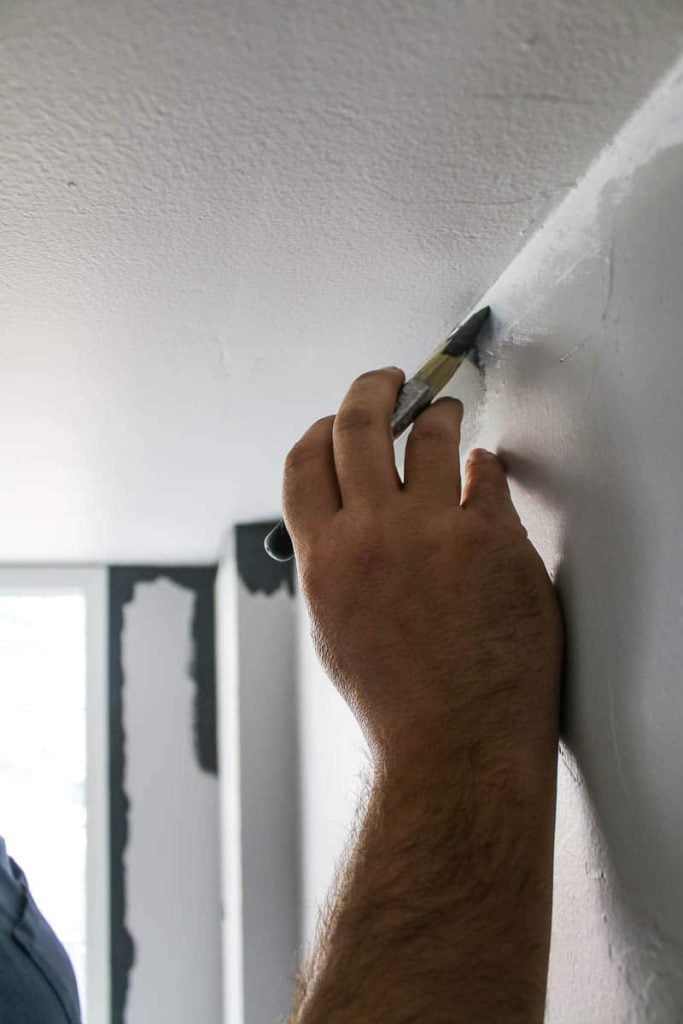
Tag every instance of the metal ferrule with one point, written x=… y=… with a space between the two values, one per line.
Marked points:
x=414 y=396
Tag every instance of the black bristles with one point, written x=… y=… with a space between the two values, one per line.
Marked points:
x=464 y=338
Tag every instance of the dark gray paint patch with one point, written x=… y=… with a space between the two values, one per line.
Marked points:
x=483 y=341
x=257 y=570
x=464 y=338
x=122 y=581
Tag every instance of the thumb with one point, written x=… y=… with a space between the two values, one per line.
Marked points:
x=485 y=488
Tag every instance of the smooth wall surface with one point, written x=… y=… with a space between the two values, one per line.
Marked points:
x=581 y=396
x=334 y=764
x=259 y=816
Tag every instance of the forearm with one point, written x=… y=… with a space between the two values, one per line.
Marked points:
x=443 y=913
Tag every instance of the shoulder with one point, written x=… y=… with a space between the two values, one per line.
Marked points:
x=37 y=982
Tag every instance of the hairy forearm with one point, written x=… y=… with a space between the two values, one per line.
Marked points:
x=443 y=912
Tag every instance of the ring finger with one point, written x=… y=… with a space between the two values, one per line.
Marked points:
x=432 y=458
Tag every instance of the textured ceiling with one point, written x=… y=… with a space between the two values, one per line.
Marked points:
x=214 y=216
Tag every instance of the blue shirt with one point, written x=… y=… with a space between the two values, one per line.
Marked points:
x=37 y=981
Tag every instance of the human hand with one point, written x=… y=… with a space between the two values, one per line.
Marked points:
x=430 y=609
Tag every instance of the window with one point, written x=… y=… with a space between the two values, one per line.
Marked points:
x=53 y=747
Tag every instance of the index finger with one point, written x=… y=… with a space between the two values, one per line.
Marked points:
x=362 y=439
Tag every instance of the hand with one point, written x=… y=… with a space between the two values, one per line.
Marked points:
x=430 y=609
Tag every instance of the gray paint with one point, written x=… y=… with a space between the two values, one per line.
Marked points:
x=581 y=397
x=259 y=573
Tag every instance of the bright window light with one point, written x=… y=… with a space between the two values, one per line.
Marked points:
x=43 y=756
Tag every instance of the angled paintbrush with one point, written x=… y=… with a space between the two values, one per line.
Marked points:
x=415 y=395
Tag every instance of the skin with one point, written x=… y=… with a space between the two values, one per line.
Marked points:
x=435 y=618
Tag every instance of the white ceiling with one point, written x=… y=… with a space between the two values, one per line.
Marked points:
x=214 y=216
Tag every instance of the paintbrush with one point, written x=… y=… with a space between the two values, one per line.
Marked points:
x=415 y=395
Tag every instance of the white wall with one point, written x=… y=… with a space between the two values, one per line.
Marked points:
x=581 y=396
x=257 y=710
x=334 y=765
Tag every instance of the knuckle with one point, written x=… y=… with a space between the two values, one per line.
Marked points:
x=372 y=534
x=358 y=411
x=322 y=423
x=437 y=421
x=368 y=375
x=307 y=445
x=365 y=541
x=432 y=430
x=373 y=553
x=479 y=540
x=319 y=429
x=355 y=416
x=377 y=374
x=298 y=456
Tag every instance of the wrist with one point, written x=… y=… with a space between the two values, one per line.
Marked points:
x=504 y=764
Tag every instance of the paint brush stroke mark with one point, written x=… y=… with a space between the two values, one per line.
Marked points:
x=122 y=954
x=122 y=581
x=574 y=350
x=610 y=279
